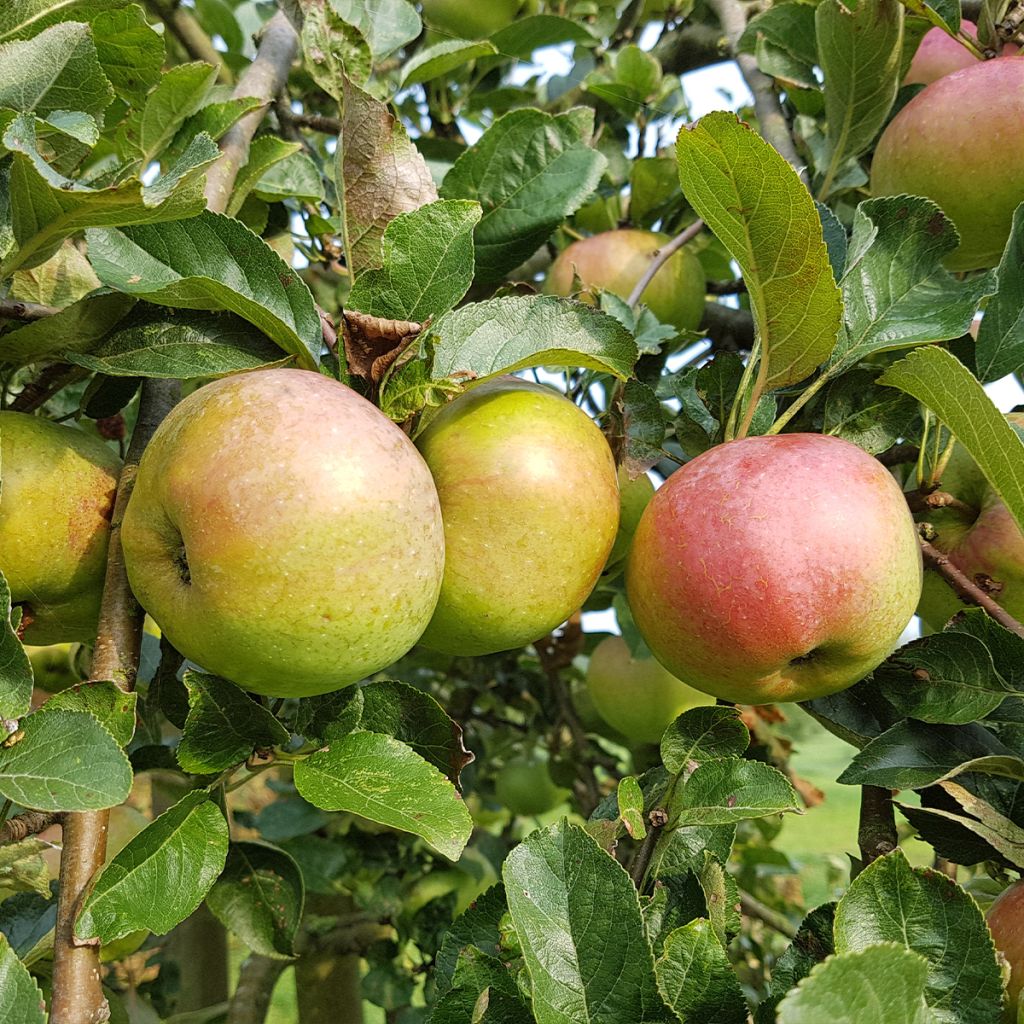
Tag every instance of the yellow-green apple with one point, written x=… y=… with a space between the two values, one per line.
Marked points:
x=637 y=696
x=616 y=260
x=53 y=668
x=1006 y=922
x=775 y=568
x=284 y=533
x=981 y=539
x=470 y=19
x=525 y=786
x=930 y=148
x=530 y=505
x=55 y=508
x=634 y=496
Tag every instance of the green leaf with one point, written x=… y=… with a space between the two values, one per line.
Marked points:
x=427 y=257
x=730 y=789
x=940 y=381
x=380 y=174
x=65 y=761
x=416 y=719
x=113 y=707
x=22 y=869
x=443 y=58
x=884 y=983
x=161 y=342
x=895 y=291
x=703 y=734
x=835 y=237
x=161 y=876
x=525 y=35
x=15 y=668
x=722 y=898
x=47 y=207
x=264 y=153
x=859 y=50
x=330 y=716
x=386 y=24
x=386 y=781
x=29 y=17
x=130 y=51
x=294 y=177
x=644 y=425
x=64 y=278
x=224 y=726
x=259 y=897
x=214 y=119
x=785 y=34
x=630 y=799
x=577 y=917
x=1000 y=348
x=758 y=207
x=212 y=262
x=479 y=925
x=696 y=979
x=929 y=914
x=20 y=998
x=335 y=51
x=863 y=412
x=56 y=70
x=528 y=171
x=179 y=93
x=485 y=339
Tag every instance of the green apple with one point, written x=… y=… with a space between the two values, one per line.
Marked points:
x=930 y=148
x=776 y=568
x=1006 y=923
x=983 y=539
x=58 y=495
x=284 y=533
x=637 y=696
x=525 y=787
x=634 y=496
x=530 y=505
x=616 y=260
x=470 y=19
x=53 y=668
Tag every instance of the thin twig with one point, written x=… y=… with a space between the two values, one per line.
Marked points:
x=196 y=43
x=876 y=835
x=753 y=907
x=899 y=455
x=53 y=378
x=318 y=122
x=657 y=819
x=15 y=309
x=925 y=501
x=30 y=823
x=771 y=122
x=661 y=257
x=965 y=588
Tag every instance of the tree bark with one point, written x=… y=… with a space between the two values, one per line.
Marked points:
x=328 y=988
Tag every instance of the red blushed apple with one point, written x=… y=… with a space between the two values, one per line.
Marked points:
x=939 y=54
x=1006 y=922
x=775 y=568
x=930 y=148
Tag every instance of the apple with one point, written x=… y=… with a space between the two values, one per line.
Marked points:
x=776 y=568
x=470 y=19
x=939 y=54
x=634 y=496
x=1006 y=922
x=983 y=539
x=53 y=668
x=637 y=696
x=284 y=533
x=530 y=505
x=616 y=260
x=525 y=787
x=58 y=495
x=930 y=148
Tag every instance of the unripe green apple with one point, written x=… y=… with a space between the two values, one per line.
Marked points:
x=470 y=19
x=284 y=533
x=58 y=496
x=53 y=667
x=1006 y=922
x=530 y=505
x=637 y=696
x=634 y=497
x=777 y=568
x=616 y=260
x=983 y=539
x=525 y=786
x=930 y=148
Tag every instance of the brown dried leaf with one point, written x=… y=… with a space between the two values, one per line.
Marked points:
x=372 y=344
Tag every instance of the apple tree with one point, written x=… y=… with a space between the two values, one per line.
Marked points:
x=430 y=453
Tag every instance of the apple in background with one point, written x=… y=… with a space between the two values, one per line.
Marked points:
x=58 y=495
x=1006 y=922
x=775 y=568
x=637 y=696
x=634 y=496
x=930 y=148
x=985 y=540
x=616 y=260
x=524 y=786
x=939 y=54
x=470 y=19
x=53 y=668
x=530 y=504
x=284 y=533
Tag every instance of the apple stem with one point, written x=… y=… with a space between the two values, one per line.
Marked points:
x=876 y=835
x=661 y=257
x=30 y=823
x=642 y=860
x=966 y=589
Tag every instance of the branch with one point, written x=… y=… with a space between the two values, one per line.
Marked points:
x=263 y=78
x=899 y=455
x=51 y=379
x=759 y=911
x=15 y=309
x=317 y=122
x=661 y=257
x=771 y=121
x=876 y=834
x=965 y=588
x=184 y=27
x=256 y=980
x=657 y=820
x=729 y=329
x=691 y=46
x=28 y=824
x=925 y=501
